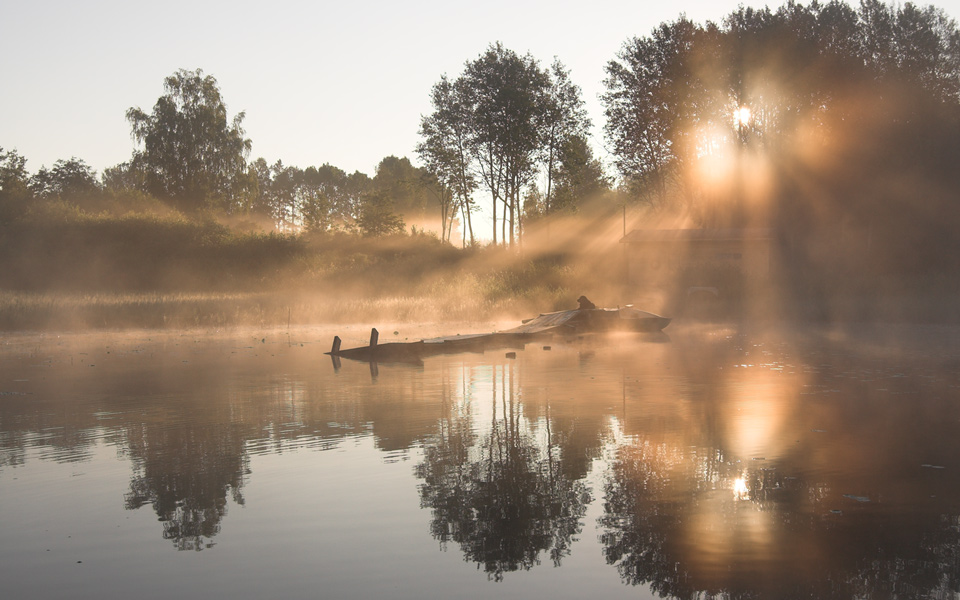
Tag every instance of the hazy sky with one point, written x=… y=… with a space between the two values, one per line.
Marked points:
x=338 y=82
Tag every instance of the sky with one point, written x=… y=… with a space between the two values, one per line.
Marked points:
x=344 y=83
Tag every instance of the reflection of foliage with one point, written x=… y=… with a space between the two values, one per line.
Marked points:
x=185 y=473
x=12 y=446
x=504 y=500
x=666 y=527
x=928 y=568
x=639 y=518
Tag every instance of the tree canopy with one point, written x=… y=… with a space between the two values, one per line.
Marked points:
x=192 y=153
x=501 y=123
x=798 y=77
x=793 y=117
x=14 y=193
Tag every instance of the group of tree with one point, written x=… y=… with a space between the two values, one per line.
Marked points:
x=865 y=87
x=192 y=158
x=836 y=95
x=326 y=198
x=498 y=126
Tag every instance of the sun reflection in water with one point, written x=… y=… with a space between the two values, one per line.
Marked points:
x=740 y=491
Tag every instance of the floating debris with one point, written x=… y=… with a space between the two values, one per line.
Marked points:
x=926 y=466
x=819 y=430
x=836 y=511
x=857 y=498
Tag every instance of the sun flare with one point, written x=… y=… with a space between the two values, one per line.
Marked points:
x=741 y=116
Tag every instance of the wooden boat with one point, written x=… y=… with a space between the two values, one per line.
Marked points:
x=565 y=323
x=593 y=320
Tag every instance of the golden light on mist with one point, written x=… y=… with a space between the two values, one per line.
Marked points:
x=726 y=169
x=715 y=162
x=758 y=413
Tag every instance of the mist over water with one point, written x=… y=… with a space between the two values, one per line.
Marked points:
x=170 y=424
x=715 y=459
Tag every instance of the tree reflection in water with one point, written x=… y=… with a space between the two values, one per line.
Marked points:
x=186 y=473
x=671 y=431
x=692 y=510
x=688 y=535
x=503 y=495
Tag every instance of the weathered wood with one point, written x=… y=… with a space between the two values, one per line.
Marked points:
x=564 y=323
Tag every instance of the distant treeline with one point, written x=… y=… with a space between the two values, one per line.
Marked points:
x=836 y=127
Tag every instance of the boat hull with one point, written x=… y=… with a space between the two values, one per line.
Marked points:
x=564 y=323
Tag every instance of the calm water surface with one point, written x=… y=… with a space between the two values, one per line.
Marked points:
x=707 y=461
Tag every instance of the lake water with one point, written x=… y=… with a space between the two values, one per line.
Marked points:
x=706 y=461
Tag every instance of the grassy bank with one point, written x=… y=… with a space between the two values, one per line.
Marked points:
x=133 y=272
x=151 y=272
x=57 y=311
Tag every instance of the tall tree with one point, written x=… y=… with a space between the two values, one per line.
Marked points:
x=122 y=177
x=652 y=89
x=843 y=116
x=446 y=148
x=579 y=176
x=70 y=179
x=507 y=95
x=377 y=217
x=14 y=192
x=502 y=122
x=193 y=155
x=403 y=184
x=284 y=196
x=566 y=119
x=261 y=203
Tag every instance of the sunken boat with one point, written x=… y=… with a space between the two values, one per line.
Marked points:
x=564 y=323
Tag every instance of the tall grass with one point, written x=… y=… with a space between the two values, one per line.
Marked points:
x=21 y=311
x=76 y=271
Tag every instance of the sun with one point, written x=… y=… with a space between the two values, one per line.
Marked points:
x=741 y=116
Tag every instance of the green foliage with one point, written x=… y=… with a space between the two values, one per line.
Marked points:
x=70 y=181
x=62 y=248
x=123 y=177
x=502 y=122
x=507 y=99
x=192 y=154
x=566 y=121
x=377 y=216
x=579 y=176
x=854 y=130
x=445 y=153
x=15 y=195
x=404 y=185
x=541 y=278
x=802 y=71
